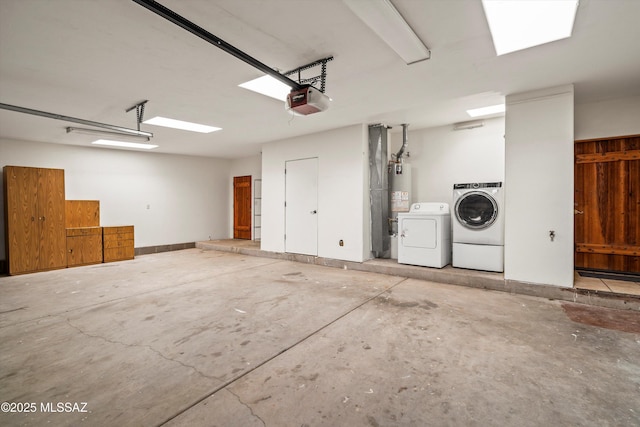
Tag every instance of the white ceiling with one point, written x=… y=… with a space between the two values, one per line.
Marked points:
x=94 y=59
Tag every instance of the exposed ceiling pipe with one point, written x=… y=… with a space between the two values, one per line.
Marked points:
x=181 y=21
x=405 y=141
x=118 y=129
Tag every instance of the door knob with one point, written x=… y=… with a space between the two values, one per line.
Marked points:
x=313 y=212
x=577 y=212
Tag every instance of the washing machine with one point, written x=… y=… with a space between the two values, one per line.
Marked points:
x=478 y=226
x=425 y=235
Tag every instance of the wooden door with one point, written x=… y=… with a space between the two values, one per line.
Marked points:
x=607 y=204
x=23 y=240
x=51 y=217
x=242 y=207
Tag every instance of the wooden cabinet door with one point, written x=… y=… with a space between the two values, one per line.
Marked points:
x=23 y=239
x=36 y=238
x=607 y=204
x=242 y=207
x=84 y=246
x=51 y=217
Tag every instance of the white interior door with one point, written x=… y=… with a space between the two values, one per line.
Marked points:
x=301 y=206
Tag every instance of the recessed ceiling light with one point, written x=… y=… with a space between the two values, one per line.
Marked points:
x=520 y=24
x=485 y=111
x=267 y=85
x=179 y=124
x=124 y=144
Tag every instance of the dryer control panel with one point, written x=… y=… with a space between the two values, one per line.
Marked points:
x=430 y=208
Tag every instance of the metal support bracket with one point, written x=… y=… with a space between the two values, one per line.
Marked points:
x=139 y=111
x=322 y=77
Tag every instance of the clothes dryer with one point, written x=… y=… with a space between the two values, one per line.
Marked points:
x=478 y=226
x=425 y=235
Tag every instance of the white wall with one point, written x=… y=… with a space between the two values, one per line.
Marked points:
x=251 y=166
x=342 y=157
x=539 y=186
x=441 y=157
x=613 y=117
x=186 y=195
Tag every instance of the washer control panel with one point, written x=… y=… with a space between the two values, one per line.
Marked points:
x=477 y=185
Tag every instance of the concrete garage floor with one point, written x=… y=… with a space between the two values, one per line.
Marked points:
x=209 y=338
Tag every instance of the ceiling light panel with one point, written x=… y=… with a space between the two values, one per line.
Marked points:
x=485 y=111
x=269 y=86
x=124 y=144
x=520 y=24
x=385 y=20
x=182 y=125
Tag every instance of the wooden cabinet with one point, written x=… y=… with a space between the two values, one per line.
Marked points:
x=118 y=243
x=84 y=246
x=84 y=234
x=82 y=213
x=35 y=219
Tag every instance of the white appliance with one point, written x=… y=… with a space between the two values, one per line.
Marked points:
x=425 y=235
x=478 y=226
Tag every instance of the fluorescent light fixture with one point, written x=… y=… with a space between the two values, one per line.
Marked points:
x=123 y=144
x=485 y=111
x=269 y=86
x=520 y=24
x=385 y=20
x=99 y=132
x=468 y=125
x=179 y=124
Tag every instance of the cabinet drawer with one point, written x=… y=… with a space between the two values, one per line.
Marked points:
x=118 y=254
x=116 y=243
x=117 y=237
x=118 y=230
x=84 y=231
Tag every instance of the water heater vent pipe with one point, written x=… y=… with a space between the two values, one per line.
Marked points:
x=405 y=142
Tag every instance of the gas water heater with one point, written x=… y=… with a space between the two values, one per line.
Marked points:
x=399 y=189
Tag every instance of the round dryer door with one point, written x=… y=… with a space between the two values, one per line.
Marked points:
x=476 y=210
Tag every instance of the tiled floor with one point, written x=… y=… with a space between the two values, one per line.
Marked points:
x=607 y=285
